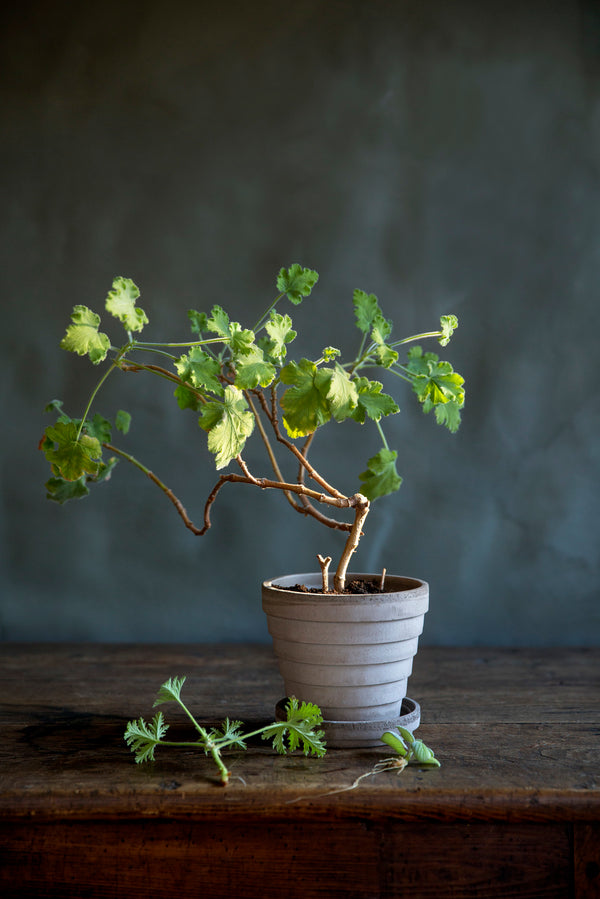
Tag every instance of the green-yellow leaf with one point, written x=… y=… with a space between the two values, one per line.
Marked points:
x=252 y=370
x=381 y=476
x=372 y=402
x=218 y=322
x=229 y=424
x=200 y=370
x=83 y=337
x=69 y=457
x=279 y=328
x=305 y=402
x=342 y=395
x=241 y=339
x=437 y=385
x=120 y=302
x=448 y=324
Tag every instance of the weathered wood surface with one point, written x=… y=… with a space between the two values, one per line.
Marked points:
x=513 y=811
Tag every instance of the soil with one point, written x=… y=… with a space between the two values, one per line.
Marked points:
x=353 y=587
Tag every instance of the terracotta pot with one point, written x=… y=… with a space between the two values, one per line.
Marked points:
x=350 y=654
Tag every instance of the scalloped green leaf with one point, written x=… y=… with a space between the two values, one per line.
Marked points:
x=71 y=458
x=371 y=402
x=305 y=403
x=296 y=282
x=200 y=370
x=229 y=424
x=121 y=302
x=381 y=477
x=82 y=336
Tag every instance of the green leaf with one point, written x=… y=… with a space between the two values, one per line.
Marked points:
x=437 y=385
x=98 y=427
x=82 y=336
x=366 y=310
x=448 y=414
x=143 y=738
x=170 y=691
x=300 y=728
x=218 y=322
x=372 y=402
x=252 y=370
x=62 y=491
x=296 y=282
x=123 y=421
x=304 y=403
x=448 y=324
x=382 y=328
x=229 y=424
x=241 y=339
x=187 y=398
x=69 y=457
x=381 y=477
x=200 y=370
x=229 y=734
x=120 y=302
x=198 y=321
x=279 y=328
x=422 y=754
x=342 y=395
x=395 y=742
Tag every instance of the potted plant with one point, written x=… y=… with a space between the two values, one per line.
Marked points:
x=241 y=381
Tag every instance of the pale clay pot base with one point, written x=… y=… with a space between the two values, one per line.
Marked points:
x=362 y=734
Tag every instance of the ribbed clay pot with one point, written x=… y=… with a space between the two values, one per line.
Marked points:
x=350 y=654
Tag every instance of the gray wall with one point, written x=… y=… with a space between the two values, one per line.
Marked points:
x=443 y=155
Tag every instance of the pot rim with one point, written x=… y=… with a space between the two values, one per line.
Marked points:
x=400 y=585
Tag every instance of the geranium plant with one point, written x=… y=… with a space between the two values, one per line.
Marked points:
x=241 y=382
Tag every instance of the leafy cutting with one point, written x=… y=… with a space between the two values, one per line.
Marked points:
x=240 y=381
x=298 y=731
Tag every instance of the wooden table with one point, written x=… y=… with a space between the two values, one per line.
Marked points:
x=514 y=811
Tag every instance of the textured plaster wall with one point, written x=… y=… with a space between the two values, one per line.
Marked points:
x=443 y=155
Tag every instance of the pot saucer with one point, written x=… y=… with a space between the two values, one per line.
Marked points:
x=362 y=734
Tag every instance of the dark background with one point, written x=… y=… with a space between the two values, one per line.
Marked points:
x=443 y=155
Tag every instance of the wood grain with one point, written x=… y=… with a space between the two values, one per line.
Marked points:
x=513 y=811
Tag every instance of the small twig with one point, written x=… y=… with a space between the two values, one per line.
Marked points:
x=382 y=581
x=164 y=373
x=312 y=473
x=324 y=564
x=269 y=448
x=266 y=483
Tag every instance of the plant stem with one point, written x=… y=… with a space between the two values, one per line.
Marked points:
x=260 y=322
x=138 y=344
x=382 y=435
x=423 y=336
x=361 y=510
x=114 y=365
x=166 y=490
x=269 y=448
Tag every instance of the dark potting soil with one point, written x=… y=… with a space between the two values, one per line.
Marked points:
x=355 y=587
